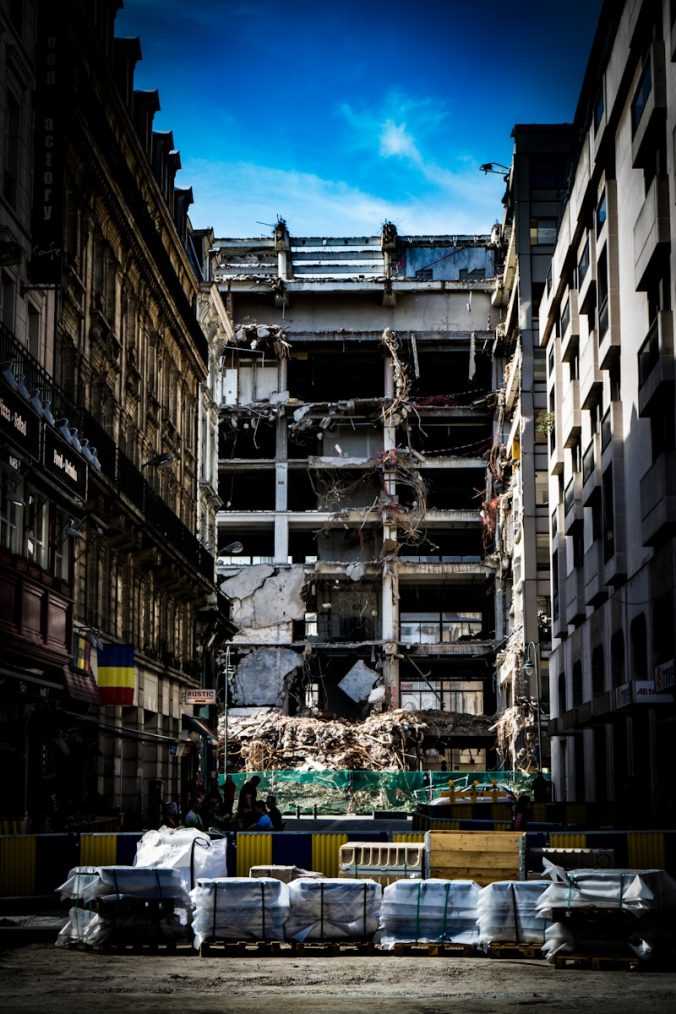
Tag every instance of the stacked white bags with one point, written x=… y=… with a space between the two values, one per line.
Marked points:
x=507 y=912
x=239 y=908
x=432 y=910
x=186 y=849
x=132 y=905
x=333 y=909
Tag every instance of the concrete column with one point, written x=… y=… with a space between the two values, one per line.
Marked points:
x=390 y=582
x=281 y=479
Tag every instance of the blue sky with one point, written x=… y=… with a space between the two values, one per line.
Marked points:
x=340 y=115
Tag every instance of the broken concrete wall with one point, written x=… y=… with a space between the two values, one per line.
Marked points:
x=260 y=678
x=265 y=601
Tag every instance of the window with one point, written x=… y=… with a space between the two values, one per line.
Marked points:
x=564 y=319
x=583 y=265
x=617 y=659
x=539 y=366
x=562 y=693
x=33 y=331
x=37 y=548
x=11 y=160
x=598 y=673
x=603 y=294
x=7 y=300
x=608 y=515
x=639 y=646
x=641 y=97
x=601 y=212
x=599 y=109
x=542 y=231
x=577 y=684
x=547 y=173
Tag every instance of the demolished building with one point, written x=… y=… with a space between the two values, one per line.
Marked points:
x=356 y=421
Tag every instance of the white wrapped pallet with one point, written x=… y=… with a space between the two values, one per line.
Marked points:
x=635 y=891
x=507 y=912
x=135 y=905
x=433 y=910
x=333 y=909
x=186 y=849
x=115 y=883
x=239 y=908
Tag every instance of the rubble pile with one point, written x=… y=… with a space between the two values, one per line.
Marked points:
x=392 y=740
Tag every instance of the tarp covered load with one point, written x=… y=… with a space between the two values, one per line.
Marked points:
x=239 y=908
x=508 y=913
x=333 y=909
x=193 y=853
x=599 y=911
x=414 y=911
x=124 y=903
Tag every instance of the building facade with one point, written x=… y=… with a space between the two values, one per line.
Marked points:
x=607 y=325
x=519 y=463
x=109 y=477
x=356 y=415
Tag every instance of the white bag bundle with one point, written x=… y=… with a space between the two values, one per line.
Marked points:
x=239 y=908
x=507 y=912
x=333 y=909
x=186 y=849
x=429 y=910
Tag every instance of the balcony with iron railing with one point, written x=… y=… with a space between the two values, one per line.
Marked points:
x=122 y=473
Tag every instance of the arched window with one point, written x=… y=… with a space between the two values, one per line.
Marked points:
x=639 y=648
x=617 y=658
x=598 y=672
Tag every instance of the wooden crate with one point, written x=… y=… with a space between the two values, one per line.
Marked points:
x=482 y=856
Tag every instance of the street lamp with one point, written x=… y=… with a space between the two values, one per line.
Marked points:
x=530 y=666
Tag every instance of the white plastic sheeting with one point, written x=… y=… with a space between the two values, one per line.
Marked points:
x=508 y=912
x=239 y=908
x=432 y=910
x=333 y=909
x=138 y=905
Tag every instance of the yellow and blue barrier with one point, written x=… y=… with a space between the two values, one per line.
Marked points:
x=34 y=865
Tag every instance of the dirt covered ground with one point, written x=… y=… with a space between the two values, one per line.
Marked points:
x=43 y=978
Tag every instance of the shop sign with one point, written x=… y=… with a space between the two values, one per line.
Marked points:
x=640 y=692
x=65 y=464
x=200 y=697
x=664 y=676
x=18 y=422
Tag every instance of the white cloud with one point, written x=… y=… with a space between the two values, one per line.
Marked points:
x=244 y=199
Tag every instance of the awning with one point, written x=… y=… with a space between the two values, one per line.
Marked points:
x=82 y=687
x=197 y=725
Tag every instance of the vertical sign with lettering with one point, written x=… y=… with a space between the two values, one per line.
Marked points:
x=52 y=67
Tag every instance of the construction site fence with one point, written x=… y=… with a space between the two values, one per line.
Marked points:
x=363 y=792
x=33 y=865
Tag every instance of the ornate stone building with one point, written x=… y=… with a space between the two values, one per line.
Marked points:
x=111 y=369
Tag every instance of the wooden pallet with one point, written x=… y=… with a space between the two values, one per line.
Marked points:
x=137 y=947
x=597 y=962
x=245 y=948
x=432 y=949
x=334 y=948
x=514 y=950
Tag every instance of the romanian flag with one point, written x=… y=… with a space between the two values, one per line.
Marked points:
x=116 y=674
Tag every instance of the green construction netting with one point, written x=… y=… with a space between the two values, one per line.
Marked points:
x=340 y=792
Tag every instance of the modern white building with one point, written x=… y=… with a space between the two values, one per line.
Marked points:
x=607 y=327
